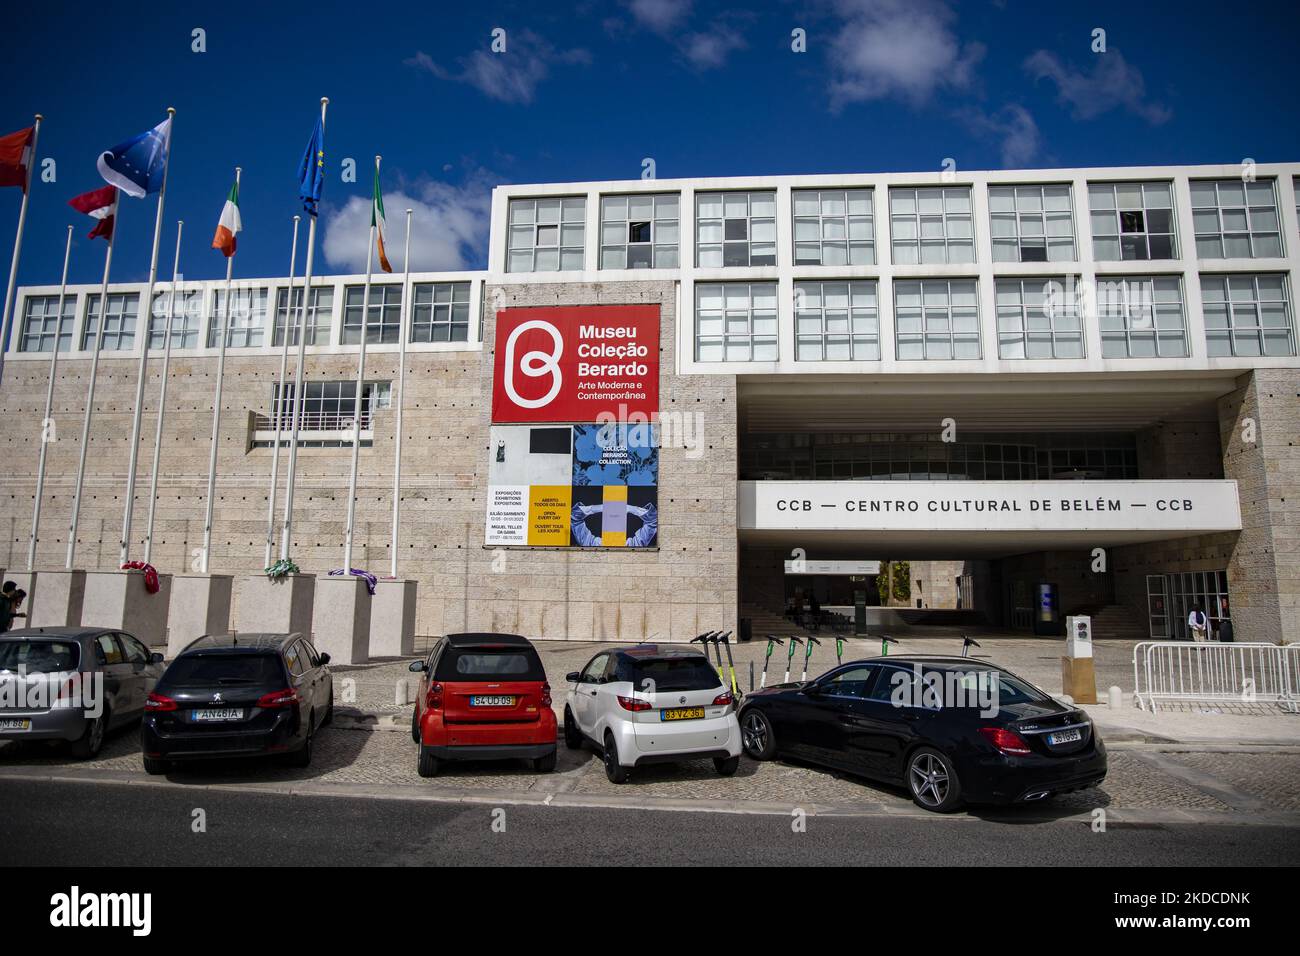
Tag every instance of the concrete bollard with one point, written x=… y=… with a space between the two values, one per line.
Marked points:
x=400 y=697
x=1115 y=698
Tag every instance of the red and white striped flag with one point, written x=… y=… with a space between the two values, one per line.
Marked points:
x=16 y=157
x=98 y=204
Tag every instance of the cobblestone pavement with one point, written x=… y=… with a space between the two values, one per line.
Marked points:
x=1274 y=779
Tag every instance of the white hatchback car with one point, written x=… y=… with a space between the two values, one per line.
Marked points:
x=652 y=704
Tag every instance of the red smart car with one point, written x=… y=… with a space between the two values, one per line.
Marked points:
x=483 y=697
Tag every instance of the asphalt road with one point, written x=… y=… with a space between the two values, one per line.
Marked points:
x=78 y=824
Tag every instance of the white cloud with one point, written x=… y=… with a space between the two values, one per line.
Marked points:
x=660 y=16
x=511 y=76
x=1015 y=126
x=898 y=48
x=708 y=50
x=705 y=49
x=1112 y=82
x=449 y=228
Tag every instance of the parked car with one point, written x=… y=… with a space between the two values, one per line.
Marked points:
x=652 y=704
x=483 y=697
x=238 y=696
x=917 y=721
x=42 y=698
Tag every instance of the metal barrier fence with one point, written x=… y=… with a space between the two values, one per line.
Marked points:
x=1183 y=671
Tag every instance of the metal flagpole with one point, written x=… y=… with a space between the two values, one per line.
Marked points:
x=47 y=421
x=90 y=388
x=124 y=546
x=349 y=527
x=407 y=306
x=18 y=248
x=278 y=410
x=298 y=397
x=216 y=410
x=162 y=397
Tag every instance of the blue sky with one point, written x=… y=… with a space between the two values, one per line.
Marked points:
x=586 y=90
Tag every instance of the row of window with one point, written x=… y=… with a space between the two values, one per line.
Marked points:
x=1039 y=318
x=440 y=313
x=933 y=225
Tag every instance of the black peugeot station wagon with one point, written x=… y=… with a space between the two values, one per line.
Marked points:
x=237 y=696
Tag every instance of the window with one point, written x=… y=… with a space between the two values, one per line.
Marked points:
x=185 y=320
x=1142 y=317
x=546 y=235
x=834 y=227
x=247 y=319
x=931 y=226
x=441 y=312
x=293 y=659
x=42 y=323
x=136 y=653
x=836 y=321
x=735 y=322
x=329 y=406
x=385 y=322
x=735 y=229
x=1038 y=319
x=1235 y=219
x=1031 y=223
x=594 y=672
x=850 y=682
x=1132 y=221
x=119 y=324
x=1247 y=315
x=936 y=319
x=107 y=649
x=320 y=313
x=639 y=232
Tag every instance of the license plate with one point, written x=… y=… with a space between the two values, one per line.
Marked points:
x=217 y=713
x=682 y=713
x=492 y=700
x=15 y=724
x=1065 y=737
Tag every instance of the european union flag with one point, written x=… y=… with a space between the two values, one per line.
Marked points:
x=136 y=166
x=311 y=174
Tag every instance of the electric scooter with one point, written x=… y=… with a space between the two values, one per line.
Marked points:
x=790 y=656
x=807 y=656
x=839 y=651
x=966 y=644
x=772 y=641
x=724 y=641
x=884 y=645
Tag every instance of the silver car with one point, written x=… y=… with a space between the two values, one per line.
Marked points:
x=73 y=684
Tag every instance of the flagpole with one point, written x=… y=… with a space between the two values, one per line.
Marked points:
x=349 y=527
x=90 y=388
x=46 y=422
x=407 y=306
x=216 y=410
x=162 y=397
x=18 y=248
x=292 y=477
x=124 y=546
x=278 y=410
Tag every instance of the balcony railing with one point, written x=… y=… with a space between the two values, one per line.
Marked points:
x=312 y=422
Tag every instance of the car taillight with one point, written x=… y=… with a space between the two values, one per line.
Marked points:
x=277 y=699
x=634 y=704
x=723 y=699
x=1008 y=741
x=433 y=697
x=546 y=694
x=157 y=703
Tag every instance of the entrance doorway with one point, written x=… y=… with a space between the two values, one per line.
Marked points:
x=1171 y=597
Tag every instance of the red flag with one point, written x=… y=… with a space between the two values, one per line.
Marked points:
x=99 y=204
x=15 y=157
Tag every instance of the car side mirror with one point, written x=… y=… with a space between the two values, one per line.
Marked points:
x=813 y=690
x=416 y=666
x=155 y=658
x=324 y=658
x=573 y=677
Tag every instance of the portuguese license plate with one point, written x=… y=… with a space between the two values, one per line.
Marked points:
x=217 y=713
x=492 y=700
x=1065 y=737
x=14 y=723
x=681 y=713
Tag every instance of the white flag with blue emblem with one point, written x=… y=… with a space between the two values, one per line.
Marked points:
x=136 y=166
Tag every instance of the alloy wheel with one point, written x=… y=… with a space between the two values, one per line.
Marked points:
x=755 y=730
x=929 y=780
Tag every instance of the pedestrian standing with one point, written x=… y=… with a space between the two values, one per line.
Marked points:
x=1198 y=624
x=7 y=605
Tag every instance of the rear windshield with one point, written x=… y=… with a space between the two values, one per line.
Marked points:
x=43 y=657
x=674 y=673
x=483 y=663
x=202 y=670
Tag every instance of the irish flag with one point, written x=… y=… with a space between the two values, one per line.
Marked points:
x=377 y=220
x=230 y=224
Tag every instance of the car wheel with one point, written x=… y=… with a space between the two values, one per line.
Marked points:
x=153 y=766
x=428 y=766
x=726 y=767
x=545 y=764
x=572 y=735
x=756 y=734
x=302 y=756
x=415 y=725
x=614 y=771
x=91 y=741
x=933 y=781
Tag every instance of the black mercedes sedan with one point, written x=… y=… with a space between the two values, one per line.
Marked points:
x=952 y=730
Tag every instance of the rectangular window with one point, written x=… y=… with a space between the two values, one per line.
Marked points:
x=547 y=235
x=1235 y=219
x=1038 y=319
x=639 y=232
x=735 y=322
x=931 y=226
x=936 y=319
x=1247 y=315
x=247 y=319
x=42 y=324
x=329 y=406
x=384 y=324
x=1141 y=317
x=1031 y=223
x=441 y=312
x=186 y=319
x=735 y=229
x=836 y=321
x=320 y=315
x=119 y=323
x=1132 y=221
x=834 y=227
